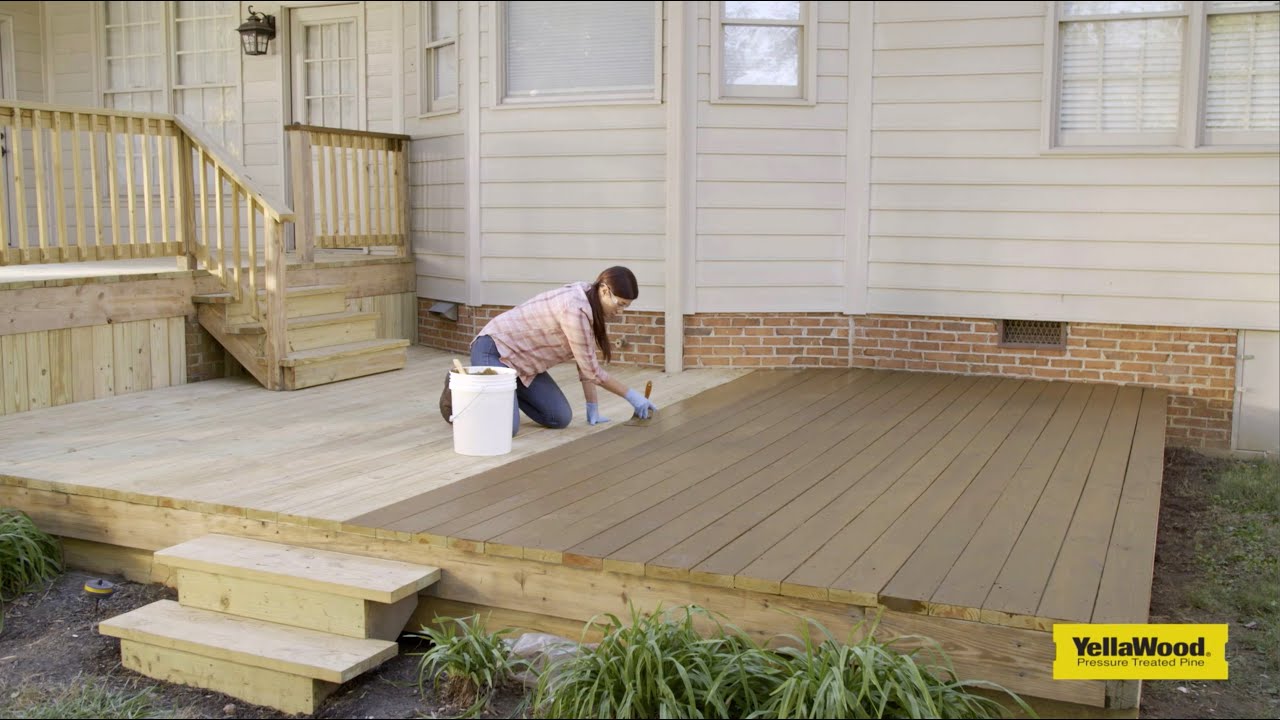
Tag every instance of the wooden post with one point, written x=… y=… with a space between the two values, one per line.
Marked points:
x=185 y=194
x=303 y=195
x=273 y=319
x=402 y=199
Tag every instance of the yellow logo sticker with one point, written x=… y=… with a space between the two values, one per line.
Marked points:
x=1140 y=652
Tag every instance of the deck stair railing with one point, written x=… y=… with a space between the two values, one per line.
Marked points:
x=349 y=188
x=89 y=184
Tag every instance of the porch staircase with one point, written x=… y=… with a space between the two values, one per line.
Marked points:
x=271 y=624
x=324 y=341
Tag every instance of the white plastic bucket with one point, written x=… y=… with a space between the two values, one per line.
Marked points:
x=482 y=407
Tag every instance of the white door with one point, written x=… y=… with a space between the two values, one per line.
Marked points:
x=327 y=48
x=1258 y=421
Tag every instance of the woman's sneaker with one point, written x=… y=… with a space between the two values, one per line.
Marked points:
x=446 y=400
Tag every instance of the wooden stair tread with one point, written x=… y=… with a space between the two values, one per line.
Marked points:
x=224 y=298
x=305 y=357
x=356 y=576
x=256 y=643
x=255 y=328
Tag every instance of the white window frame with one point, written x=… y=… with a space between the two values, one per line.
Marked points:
x=759 y=94
x=427 y=106
x=498 y=71
x=1190 y=134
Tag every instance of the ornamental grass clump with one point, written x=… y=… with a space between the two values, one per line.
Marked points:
x=28 y=556
x=660 y=666
x=826 y=678
x=466 y=664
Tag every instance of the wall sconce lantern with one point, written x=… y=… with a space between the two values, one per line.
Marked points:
x=256 y=32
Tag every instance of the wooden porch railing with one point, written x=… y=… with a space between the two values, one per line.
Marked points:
x=349 y=189
x=86 y=184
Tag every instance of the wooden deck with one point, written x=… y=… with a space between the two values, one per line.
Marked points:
x=1004 y=501
x=976 y=511
x=329 y=452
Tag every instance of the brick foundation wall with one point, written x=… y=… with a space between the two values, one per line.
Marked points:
x=1197 y=365
x=206 y=358
x=766 y=340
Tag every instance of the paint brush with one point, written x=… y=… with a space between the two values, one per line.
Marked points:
x=636 y=419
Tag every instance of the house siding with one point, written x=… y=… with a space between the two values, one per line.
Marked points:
x=970 y=218
x=28 y=50
x=770 y=187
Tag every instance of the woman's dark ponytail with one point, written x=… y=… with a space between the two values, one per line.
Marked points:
x=622 y=283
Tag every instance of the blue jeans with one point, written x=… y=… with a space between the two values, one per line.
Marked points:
x=542 y=401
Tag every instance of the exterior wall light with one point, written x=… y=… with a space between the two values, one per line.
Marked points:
x=256 y=32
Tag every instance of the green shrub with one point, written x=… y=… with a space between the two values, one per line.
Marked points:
x=871 y=679
x=27 y=556
x=660 y=666
x=466 y=664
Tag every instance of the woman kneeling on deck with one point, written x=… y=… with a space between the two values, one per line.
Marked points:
x=551 y=328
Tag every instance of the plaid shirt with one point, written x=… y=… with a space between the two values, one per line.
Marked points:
x=546 y=330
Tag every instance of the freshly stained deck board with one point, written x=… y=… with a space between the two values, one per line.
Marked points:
x=1073 y=585
x=680 y=515
x=781 y=415
x=962 y=590
x=1019 y=586
x=920 y=575
x=1124 y=595
x=895 y=442
x=826 y=563
x=780 y=559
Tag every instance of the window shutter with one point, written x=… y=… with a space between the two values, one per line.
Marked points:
x=576 y=48
x=1243 y=90
x=1122 y=76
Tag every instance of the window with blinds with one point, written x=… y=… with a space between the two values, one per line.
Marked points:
x=1242 y=88
x=578 y=50
x=439 y=56
x=1120 y=72
x=1168 y=73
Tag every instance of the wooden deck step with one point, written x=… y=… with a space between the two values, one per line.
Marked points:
x=290 y=669
x=349 y=595
x=316 y=331
x=306 y=368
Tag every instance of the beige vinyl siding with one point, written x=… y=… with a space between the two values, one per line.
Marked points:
x=567 y=191
x=970 y=218
x=28 y=45
x=770 y=185
x=438 y=216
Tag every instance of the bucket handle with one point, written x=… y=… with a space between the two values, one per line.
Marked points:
x=456 y=415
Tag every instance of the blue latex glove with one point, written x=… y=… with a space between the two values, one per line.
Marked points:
x=593 y=414
x=643 y=407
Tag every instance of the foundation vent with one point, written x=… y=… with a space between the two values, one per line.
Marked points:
x=1033 y=333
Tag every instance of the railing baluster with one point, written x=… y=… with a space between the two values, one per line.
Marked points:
x=210 y=257
x=98 y=241
x=19 y=187
x=129 y=187
x=37 y=150
x=144 y=140
x=253 y=256
x=331 y=141
x=162 y=171
x=235 y=229
x=77 y=182
x=366 y=145
x=116 y=240
x=320 y=149
x=61 y=251
x=220 y=209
